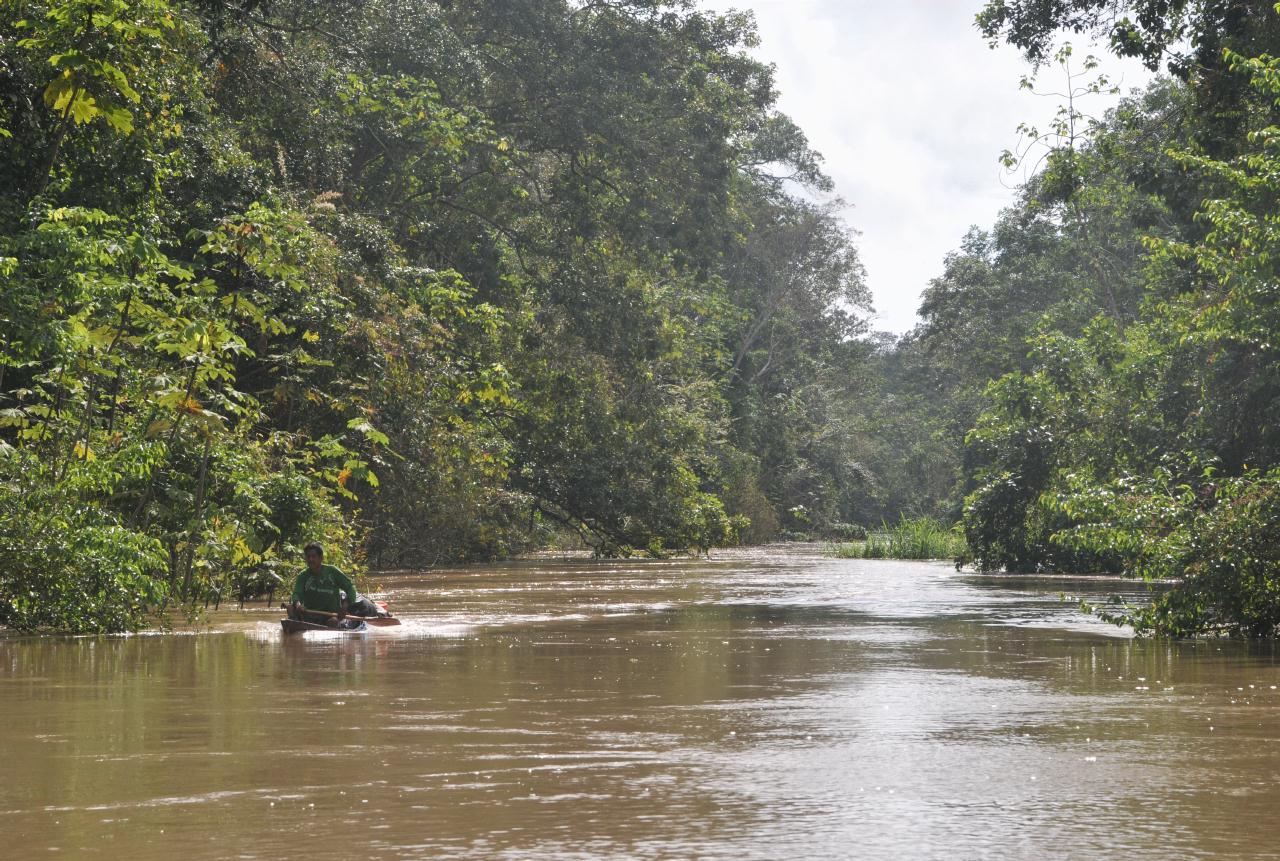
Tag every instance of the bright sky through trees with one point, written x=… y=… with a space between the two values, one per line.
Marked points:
x=911 y=109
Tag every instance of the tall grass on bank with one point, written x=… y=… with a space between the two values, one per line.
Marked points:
x=916 y=538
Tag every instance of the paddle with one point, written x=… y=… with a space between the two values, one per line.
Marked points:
x=374 y=621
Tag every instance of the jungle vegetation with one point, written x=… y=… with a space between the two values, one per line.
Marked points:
x=1103 y=361
x=425 y=281
x=441 y=281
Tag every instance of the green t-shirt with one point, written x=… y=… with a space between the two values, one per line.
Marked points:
x=321 y=590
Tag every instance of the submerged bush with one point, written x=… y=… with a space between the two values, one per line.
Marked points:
x=915 y=538
x=1218 y=542
x=70 y=565
x=846 y=532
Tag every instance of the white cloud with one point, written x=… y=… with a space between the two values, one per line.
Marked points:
x=911 y=110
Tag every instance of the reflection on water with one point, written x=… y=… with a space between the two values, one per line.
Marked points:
x=765 y=704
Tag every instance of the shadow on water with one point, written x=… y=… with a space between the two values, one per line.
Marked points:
x=764 y=703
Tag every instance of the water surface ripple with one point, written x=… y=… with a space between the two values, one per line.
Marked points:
x=759 y=705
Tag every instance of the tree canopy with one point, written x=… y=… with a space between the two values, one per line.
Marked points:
x=1106 y=350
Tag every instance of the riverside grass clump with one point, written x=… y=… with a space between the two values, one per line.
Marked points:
x=909 y=538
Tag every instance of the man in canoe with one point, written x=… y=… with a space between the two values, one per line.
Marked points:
x=324 y=594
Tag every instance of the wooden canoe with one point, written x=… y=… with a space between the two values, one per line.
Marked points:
x=371 y=621
x=295 y=626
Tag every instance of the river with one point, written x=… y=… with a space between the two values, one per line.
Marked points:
x=762 y=704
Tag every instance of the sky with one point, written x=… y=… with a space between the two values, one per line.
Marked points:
x=911 y=109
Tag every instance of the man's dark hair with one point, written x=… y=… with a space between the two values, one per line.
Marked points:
x=313 y=545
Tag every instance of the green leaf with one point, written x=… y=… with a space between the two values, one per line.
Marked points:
x=370 y=432
x=119 y=119
x=83 y=108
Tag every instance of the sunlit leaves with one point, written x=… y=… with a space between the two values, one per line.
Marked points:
x=96 y=47
x=370 y=433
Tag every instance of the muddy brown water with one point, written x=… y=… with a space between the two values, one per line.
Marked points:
x=764 y=704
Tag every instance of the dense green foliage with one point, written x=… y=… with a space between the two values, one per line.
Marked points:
x=1107 y=351
x=445 y=281
x=426 y=281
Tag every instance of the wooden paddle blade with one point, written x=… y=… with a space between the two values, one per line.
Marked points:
x=375 y=621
